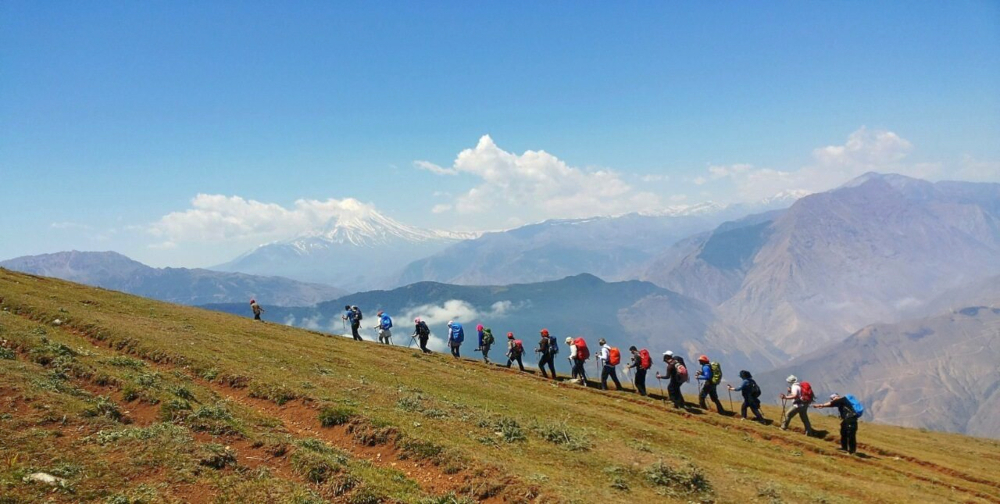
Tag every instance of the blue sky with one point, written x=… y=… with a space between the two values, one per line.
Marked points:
x=114 y=115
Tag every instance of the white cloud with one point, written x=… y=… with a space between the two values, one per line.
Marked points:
x=70 y=225
x=440 y=208
x=864 y=151
x=433 y=168
x=654 y=178
x=979 y=171
x=537 y=185
x=216 y=217
x=459 y=311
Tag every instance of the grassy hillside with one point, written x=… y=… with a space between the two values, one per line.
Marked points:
x=131 y=400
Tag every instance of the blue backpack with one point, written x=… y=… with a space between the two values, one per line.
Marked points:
x=553 y=346
x=859 y=409
x=386 y=322
x=457 y=333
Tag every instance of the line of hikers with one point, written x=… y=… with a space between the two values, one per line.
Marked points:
x=709 y=376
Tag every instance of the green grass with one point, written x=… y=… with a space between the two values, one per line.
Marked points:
x=193 y=382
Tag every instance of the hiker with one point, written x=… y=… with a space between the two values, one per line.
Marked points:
x=677 y=375
x=848 y=420
x=383 y=327
x=353 y=315
x=485 y=342
x=641 y=363
x=610 y=358
x=751 y=396
x=256 y=309
x=455 y=337
x=422 y=333
x=801 y=396
x=547 y=349
x=710 y=376
x=515 y=348
x=578 y=355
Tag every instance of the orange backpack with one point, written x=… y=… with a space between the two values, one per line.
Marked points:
x=582 y=352
x=614 y=357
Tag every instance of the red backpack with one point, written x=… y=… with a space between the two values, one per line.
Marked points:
x=518 y=347
x=582 y=352
x=614 y=357
x=645 y=362
x=682 y=372
x=806 y=395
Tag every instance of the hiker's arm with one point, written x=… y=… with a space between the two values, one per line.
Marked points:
x=824 y=405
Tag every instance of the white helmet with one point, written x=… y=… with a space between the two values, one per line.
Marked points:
x=668 y=353
x=450 y=322
x=791 y=379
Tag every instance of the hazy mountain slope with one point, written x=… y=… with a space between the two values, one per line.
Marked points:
x=579 y=305
x=204 y=406
x=361 y=249
x=605 y=246
x=837 y=261
x=982 y=292
x=939 y=372
x=613 y=248
x=711 y=267
x=111 y=270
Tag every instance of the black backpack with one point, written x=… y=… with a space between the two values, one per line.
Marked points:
x=754 y=389
x=422 y=329
x=357 y=314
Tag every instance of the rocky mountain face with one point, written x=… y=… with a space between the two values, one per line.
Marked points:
x=837 y=261
x=625 y=313
x=937 y=372
x=111 y=270
x=362 y=249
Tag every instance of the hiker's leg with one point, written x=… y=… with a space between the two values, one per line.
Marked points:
x=614 y=377
x=604 y=377
x=541 y=367
x=509 y=362
x=804 y=413
x=519 y=363
x=715 y=399
x=755 y=407
x=640 y=381
x=843 y=434
x=702 y=395
x=743 y=409
x=552 y=366
x=851 y=435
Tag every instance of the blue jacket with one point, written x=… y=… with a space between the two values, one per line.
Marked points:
x=385 y=322
x=457 y=334
x=480 y=338
x=706 y=372
x=350 y=315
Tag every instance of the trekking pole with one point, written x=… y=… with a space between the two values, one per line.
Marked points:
x=783 y=410
x=660 y=381
x=731 y=400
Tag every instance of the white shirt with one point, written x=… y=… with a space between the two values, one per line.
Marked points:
x=605 y=354
x=796 y=392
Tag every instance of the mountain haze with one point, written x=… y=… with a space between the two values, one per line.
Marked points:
x=837 y=261
x=111 y=270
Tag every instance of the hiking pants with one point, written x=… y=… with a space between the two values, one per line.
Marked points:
x=609 y=370
x=354 y=330
x=454 y=349
x=754 y=406
x=578 y=371
x=709 y=390
x=512 y=358
x=384 y=335
x=640 y=381
x=849 y=434
x=674 y=393
x=801 y=409
x=486 y=353
x=423 y=344
x=547 y=359
x=256 y=316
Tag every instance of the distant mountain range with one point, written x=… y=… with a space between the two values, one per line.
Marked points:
x=362 y=249
x=938 y=372
x=625 y=313
x=834 y=262
x=114 y=271
x=613 y=248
